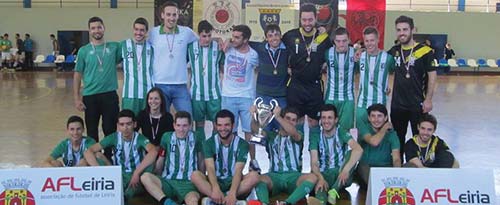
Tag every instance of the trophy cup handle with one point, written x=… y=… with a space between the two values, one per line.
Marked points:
x=257 y=102
x=273 y=103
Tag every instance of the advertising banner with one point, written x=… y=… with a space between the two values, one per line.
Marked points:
x=61 y=186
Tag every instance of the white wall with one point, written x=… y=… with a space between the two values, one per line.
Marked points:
x=41 y=22
x=473 y=35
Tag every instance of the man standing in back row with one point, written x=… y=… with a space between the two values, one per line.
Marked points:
x=306 y=46
x=137 y=56
x=96 y=66
x=414 y=80
x=170 y=42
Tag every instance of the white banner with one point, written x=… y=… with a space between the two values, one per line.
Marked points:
x=412 y=186
x=62 y=186
x=258 y=16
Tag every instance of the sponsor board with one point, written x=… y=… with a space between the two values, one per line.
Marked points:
x=410 y=186
x=54 y=186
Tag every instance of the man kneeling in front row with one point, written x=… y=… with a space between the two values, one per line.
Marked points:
x=427 y=149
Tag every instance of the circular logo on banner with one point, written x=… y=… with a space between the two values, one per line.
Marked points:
x=327 y=11
x=396 y=192
x=222 y=14
x=16 y=192
x=324 y=14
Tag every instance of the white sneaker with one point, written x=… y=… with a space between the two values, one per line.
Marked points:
x=206 y=201
x=241 y=202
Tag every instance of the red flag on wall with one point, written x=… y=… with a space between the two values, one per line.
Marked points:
x=363 y=13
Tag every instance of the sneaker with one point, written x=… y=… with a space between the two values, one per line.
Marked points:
x=314 y=201
x=169 y=202
x=207 y=201
x=254 y=165
x=282 y=203
x=333 y=195
x=241 y=202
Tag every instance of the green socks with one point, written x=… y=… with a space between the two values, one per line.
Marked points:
x=262 y=192
x=300 y=192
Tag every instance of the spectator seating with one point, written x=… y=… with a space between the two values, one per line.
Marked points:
x=70 y=59
x=50 y=59
x=491 y=63
x=461 y=62
x=59 y=59
x=443 y=62
x=452 y=62
x=39 y=59
x=482 y=62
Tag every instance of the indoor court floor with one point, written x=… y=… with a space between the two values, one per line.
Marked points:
x=34 y=107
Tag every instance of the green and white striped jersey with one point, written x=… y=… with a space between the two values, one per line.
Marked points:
x=226 y=157
x=285 y=154
x=65 y=150
x=127 y=154
x=374 y=78
x=331 y=149
x=205 y=64
x=340 y=75
x=137 y=69
x=180 y=156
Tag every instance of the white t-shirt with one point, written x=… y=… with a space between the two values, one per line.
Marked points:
x=167 y=70
x=239 y=73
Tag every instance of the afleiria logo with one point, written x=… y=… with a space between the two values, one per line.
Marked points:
x=396 y=192
x=16 y=192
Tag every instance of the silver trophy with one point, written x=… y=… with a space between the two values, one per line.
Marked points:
x=263 y=115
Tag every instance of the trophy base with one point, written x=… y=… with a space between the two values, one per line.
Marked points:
x=259 y=140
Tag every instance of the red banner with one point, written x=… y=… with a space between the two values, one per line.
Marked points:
x=363 y=13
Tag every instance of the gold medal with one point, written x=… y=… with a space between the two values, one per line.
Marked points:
x=275 y=72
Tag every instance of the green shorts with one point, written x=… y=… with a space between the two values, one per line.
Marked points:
x=129 y=192
x=205 y=110
x=225 y=184
x=134 y=104
x=362 y=117
x=177 y=188
x=331 y=175
x=284 y=182
x=345 y=113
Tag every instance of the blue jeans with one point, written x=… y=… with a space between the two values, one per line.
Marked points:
x=273 y=125
x=178 y=95
x=240 y=107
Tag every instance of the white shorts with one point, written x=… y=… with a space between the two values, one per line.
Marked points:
x=6 y=55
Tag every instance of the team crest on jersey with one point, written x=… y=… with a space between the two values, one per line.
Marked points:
x=382 y=66
x=16 y=193
x=130 y=54
x=269 y=16
x=396 y=192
